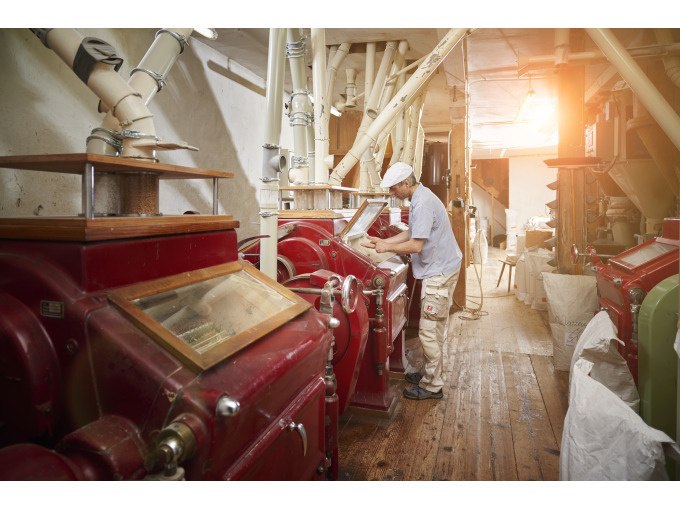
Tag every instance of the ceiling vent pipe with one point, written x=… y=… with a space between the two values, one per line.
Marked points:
x=402 y=99
x=96 y=63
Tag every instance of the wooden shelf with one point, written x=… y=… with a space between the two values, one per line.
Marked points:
x=75 y=164
x=107 y=228
x=318 y=187
x=309 y=214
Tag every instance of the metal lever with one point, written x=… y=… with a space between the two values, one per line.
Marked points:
x=303 y=434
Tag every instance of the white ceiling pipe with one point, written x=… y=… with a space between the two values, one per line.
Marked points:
x=561 y=46
x=370 y=70
x=415 y=114
x=405 y=69
x=525 y=63
x=269 y=191
x=113 y=91
x=402 y=99
x=670 y=63
x=390 y=85
x=643 y=87
x=334 y=64
x=400 y=128
x=373 y=100
x=321 y=114
x=147 y=79
x=300 y=106
x=369 y=174
x=418 y=156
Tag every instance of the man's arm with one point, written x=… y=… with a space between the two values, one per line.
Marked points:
x=403 y=248
x=399 y=238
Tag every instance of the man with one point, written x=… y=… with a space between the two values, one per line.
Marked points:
x=435 y=259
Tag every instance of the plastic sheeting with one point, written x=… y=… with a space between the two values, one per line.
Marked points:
x=572 y=302
x=604 y=438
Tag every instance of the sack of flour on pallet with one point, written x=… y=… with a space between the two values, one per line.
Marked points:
x=572 y=302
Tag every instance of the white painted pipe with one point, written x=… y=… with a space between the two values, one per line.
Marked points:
x=269 y=191
x=321 y=114
x=350 y=88
x=335 y=62
x=402 y=99
x=388 y=90
x=415 y=114
x=113 y=91
x=299 y=108
x=561 y=46
x=400 y=128
x=148 y=78
x=643 y=87
x=370 y=71
x=418 y=156
x=671 y=63
x=379 y=82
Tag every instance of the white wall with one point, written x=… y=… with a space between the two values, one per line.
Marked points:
x=528 y=191
x=209 y=101
x=482 y=200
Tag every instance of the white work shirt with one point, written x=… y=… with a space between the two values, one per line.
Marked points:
x=428 y=220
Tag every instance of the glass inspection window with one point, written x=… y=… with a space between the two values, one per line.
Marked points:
x=205 y=316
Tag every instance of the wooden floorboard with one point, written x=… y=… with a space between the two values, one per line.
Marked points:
x=503 y=409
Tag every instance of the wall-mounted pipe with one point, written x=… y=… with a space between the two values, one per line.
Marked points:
x=321 y=114
x=402 y=99
x=125 y=102
x=299 y=106
x=671 y=62
x=643 y=87
x=269 y=191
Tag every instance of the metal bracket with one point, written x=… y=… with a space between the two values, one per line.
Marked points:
x=160 y=82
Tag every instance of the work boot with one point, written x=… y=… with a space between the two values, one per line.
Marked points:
x=418 y=393
x=413 y=377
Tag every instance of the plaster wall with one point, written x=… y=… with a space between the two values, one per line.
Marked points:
x=210 y=101
x=528 y=192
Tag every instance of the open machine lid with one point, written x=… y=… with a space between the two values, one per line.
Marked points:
x=363 y=219
x=205 y=316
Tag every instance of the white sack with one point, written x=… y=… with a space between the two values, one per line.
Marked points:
x=572 y=302
x=596 y=351
x=536 y=263
x=604 y=439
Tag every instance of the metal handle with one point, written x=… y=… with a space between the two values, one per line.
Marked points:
x=303 y=434
x=350 y=284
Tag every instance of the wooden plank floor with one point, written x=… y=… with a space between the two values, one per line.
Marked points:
x=503 y=408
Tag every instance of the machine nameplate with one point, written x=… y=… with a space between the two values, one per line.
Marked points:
x=52 y=309
x=324 y=242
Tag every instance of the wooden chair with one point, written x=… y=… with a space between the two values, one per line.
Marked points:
x=511 y=264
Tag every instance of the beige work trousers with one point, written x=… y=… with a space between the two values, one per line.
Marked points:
x=435 y=301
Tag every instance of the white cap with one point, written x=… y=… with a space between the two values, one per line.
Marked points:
x=396 y=174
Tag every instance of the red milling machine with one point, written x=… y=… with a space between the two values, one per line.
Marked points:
x=143 y=348
x=625 y=280
x=317 y=241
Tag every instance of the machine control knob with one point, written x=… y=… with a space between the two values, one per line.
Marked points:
x=617 y=281
x=333 y=322
x=227 y=406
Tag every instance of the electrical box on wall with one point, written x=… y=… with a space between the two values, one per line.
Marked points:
x=600 y=140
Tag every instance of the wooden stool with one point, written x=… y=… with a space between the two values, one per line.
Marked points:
x=506 y=262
